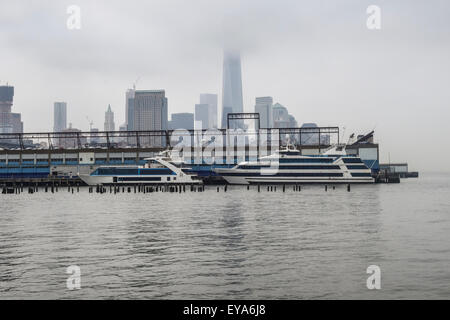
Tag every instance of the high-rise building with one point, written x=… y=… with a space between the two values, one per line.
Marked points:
x=129 y=109
x=59 y=116
x=109 y=120
x=151 y=113
x=282 y=119
x=182 y=121
x=201 y=116
x=263 y=106
x=232 y=101
x=280 y=116
x=9 y=122
x=211 y=100
x=16 y=122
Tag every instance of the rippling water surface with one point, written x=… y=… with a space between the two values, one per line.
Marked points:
x=235 y=245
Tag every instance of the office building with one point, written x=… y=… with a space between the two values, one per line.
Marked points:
x=9 y=122
x=211 y=100
x=59 y=116
x=201 y=116
x=109 y=120
x=264 y=106
x=182 y=121
x=150 y=114
x=232 y=101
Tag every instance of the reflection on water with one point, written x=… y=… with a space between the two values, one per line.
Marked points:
x=238 y=244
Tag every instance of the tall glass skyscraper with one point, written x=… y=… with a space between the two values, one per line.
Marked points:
x=232 y=88
x=59 y=116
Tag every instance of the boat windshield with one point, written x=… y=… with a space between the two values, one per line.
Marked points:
x=153 y=164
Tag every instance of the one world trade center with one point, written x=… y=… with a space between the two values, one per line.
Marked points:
x=232 y=88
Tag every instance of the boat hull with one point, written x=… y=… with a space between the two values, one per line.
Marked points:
x=135 y=180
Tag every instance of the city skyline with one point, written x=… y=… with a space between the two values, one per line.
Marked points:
x=320 y=61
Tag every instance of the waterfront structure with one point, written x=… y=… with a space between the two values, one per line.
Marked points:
x=59 y=116
x=182 y=121
x=9 y=122
x=31 y=161
x=314 y=137
x=150 y=113
x=211 y=100
x=94 y=137
x=201 y=116
x=129 y=109
x=264 y=106
x=232 y=101
x=71 y=138
x=109 y=120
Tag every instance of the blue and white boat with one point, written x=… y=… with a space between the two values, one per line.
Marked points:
x=158 y=170
x=288 y=166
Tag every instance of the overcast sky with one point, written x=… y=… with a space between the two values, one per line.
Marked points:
x=317 y=58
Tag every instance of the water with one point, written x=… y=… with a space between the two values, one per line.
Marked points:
x=235 y=245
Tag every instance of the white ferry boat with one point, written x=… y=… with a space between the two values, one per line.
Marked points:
x=289 y=166
x=158 y=170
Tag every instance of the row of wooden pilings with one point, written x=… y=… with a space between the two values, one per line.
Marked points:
x=18 y=189
x=173 y=188
x=177 y=188
x=273 y=188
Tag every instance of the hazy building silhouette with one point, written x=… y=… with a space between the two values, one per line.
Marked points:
x=182 y=121
x=282 y=118
x=211 y=100
x=232 y=101
x=59 y=116
x=264 y=106
x=201 y=116
x=109 y=120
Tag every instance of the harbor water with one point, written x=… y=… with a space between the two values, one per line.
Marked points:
x=239 y=244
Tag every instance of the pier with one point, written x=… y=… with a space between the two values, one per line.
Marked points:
x=57 y=158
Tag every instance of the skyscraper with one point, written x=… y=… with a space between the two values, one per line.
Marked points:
x=9 y=122
x=129 y=109
x=201 y=116
x=109 y=120
x=59 y=116
x=232 y=88
x=211 y=100
x=264 y=106
x=151 y=113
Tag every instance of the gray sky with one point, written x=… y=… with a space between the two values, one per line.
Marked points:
x=315 y=57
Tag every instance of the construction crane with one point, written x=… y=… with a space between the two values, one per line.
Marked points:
x=135 y=82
